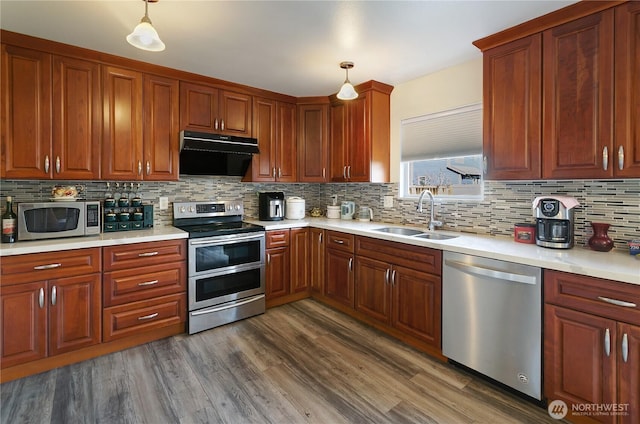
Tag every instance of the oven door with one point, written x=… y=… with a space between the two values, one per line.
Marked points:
x=217 y=287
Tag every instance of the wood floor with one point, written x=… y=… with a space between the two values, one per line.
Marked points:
x=298 y=363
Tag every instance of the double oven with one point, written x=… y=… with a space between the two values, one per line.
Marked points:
x=226 y=263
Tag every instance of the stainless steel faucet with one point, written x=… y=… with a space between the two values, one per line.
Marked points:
x=432 y=222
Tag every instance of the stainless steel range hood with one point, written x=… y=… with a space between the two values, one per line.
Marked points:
x=215 y=154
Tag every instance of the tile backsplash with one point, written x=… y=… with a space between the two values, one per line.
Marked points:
x=505 y=203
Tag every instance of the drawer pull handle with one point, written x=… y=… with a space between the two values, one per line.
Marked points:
x=625 y=347
x=148 y=283
x=338 y=241
x=49 y=266
x=607 y=342
x=617 y=302
x=147 y=254
x=146 y=317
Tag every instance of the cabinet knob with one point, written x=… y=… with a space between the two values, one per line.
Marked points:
x=605 y=158
x=139 y=167
x=46 y=164
x=41 y=298
x=279 y=172
x=625 y=347
x=215 y=124
x=349 y=172
x=54 y=295
x=607 y=342
x=621 y=157
x=222 y=124
x=148 y=168
x=57 y=164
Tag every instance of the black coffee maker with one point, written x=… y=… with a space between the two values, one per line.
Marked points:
x=271 y=206
x=554 y=221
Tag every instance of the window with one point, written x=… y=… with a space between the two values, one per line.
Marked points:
x=442 y=152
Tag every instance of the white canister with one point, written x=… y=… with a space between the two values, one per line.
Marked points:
x=294 y=207
x=333 y=212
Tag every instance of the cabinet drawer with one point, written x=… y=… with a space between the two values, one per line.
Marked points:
x=46 y=266
x=131 y=285
x=126 y=320
x=279 y=238
x=414 y=257
x=606 y=298
x=144 y=254
x=342 y=241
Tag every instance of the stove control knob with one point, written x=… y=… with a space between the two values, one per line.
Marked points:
x=192 y=209
x=237 y=207
x=183 y=209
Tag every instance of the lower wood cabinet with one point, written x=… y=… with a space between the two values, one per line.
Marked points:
x=49 y=304
x=400 y=285
x=339 y=271
x=592 y=345
x=316 y=259
x=287 y=267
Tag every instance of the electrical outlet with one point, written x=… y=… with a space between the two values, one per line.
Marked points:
x=388 y=201
x=164 y=203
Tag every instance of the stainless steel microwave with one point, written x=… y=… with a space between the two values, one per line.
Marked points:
x=46 y=220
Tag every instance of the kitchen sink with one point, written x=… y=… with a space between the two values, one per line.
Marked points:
x=399 y=230
x=435 y=236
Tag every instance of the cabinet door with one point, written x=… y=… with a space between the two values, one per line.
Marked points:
x=313 y=147
x=578 y=367
x=627 y=86
x=198 y=107
x=77 y=119
x=338 y=142
x=512 y=81
x=26 y=113
x=235 y=113
x=299 y=250
x=359 y=145
x=161 y=140
x=629 y=371
x=373 y=288
x=339 y=277
x=74 y=313
x=23 y=323
x=316 y=259
x=122 y=114
x=417 y=307
x=263 y=164
x=286 y=156
x=277 y=273
x=578 y=98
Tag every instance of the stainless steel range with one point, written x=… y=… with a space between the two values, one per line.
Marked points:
x=226 y=268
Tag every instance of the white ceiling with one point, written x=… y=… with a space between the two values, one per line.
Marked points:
x=290 y=47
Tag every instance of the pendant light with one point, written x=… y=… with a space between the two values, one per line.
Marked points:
x=347 y=92
x=144 y=36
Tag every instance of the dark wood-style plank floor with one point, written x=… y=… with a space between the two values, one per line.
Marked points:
x=298 y=363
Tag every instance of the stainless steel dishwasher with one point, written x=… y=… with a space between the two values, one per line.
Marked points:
x=492 y=319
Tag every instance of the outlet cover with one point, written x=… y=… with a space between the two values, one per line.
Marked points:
x=164 y=203
x=388 y=201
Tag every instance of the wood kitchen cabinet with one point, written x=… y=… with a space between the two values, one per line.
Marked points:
x=339 y=268
x=49 y=304
x=400 y=285
x=287 y=275
x=313 y=142
x=512 y=99
x=299 y=247
x=206 y=108
x=591 y=342
x=316 y=259
x=144 y=288
x=360 y=135
x=51 y=112
x=274 y=125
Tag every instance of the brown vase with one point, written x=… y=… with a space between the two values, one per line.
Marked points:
x=600 y=240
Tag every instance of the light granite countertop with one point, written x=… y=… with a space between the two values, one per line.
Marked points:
x=616 y=265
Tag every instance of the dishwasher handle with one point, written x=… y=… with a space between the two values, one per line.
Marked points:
x=492 y=273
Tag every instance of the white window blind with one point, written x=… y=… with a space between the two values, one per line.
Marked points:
x=450 y=133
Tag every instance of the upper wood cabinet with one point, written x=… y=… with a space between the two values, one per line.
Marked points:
x=274 y=126
x=51 y=116
x=209 y=109
x=313 y=142
x=578 y=98
x=122 y=130
x=585 y=104
x=160 y=132
x=360 y=135
x=512 y=98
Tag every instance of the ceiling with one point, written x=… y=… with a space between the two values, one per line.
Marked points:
x=290 y=47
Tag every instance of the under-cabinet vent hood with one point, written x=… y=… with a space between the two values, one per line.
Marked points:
x=215 y=154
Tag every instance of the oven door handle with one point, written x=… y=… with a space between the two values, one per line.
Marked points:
x=212 y=241
x=222 y=308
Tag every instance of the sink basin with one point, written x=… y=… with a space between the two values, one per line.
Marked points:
x=399 y=230
x=435 y=236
